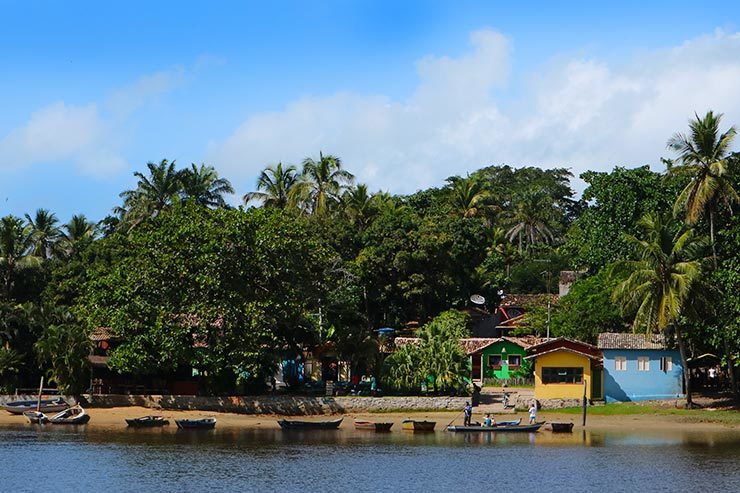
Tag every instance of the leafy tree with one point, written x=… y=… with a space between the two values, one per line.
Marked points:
x=275 y=185
x=664 y=283
x=16 y=251
x=359 y=206
x=44 y=233
x=704 y=156
x=321 y=183
x=469 y=197
x=11 y=363
x=203 y=185
x=64 y=346
x=76 y=234
x=531 y=219
x=153 y=193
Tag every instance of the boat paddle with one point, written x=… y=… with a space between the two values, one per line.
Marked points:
x=453 y=420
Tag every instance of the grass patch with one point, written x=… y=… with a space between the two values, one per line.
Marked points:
x=689 y=415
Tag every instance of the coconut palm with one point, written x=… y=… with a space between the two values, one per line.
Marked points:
x=358 y=205
x=16 y=250
x=321 y=183
x=469 y=198
x=530 y=218
x=704 y=157
x=274 y=185
x=153 y=193
x=77 y=232
x=44 y=233
x=202 y=184
x=664 y=282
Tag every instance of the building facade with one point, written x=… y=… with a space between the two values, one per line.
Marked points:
x=565 y=369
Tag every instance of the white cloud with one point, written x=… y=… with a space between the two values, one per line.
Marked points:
x=579 y=113
x=90 y=135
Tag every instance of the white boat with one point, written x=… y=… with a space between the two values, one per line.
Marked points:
x=46 y=405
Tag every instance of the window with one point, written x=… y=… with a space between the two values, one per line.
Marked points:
x=562 y=375
x=643 y=363
x=515 y=360
x=666 y=364
x=620 y=363
x=494 y=360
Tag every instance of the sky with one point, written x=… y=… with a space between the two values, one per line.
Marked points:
x=406 y=93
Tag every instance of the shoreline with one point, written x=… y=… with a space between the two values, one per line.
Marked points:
x=113 y=417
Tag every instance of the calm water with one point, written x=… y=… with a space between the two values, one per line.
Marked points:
x=59 y=459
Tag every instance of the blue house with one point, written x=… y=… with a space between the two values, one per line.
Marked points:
x=640 y=367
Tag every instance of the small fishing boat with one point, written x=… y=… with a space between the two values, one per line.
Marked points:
x=561 y=427
x=497 y=429
x=372 y=425
x=72 y=416
x=414 y=425
x=196 y=424
x=45 y=406
x=36 y=417
x=309 y=425
x=147 y=422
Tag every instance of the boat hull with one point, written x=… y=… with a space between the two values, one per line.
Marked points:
x=561 y=427
x=72 y=416
x=147 y=422
x=413 y=425
x=496 y=429
x=309 y=425
x=36 y=417
x=47 y=406
x=196 y=424
x=373 y=426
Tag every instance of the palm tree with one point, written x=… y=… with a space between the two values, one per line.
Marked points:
x=153 y=193
x=76 y=232
x=44 y=233
x=531 y=219
x=358 y=205
x=275 y=184
x=468 y=197
x=322 y=182
x=16 y=250
x=503 y=248
x=202 y=184
x=664 y=282
x=704 y=156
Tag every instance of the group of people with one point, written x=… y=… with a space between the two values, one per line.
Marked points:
x=490 y=420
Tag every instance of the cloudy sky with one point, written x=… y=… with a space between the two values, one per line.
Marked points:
x=406 y=93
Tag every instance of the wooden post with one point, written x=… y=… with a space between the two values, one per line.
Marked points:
x=38 y=402
x=584 y=401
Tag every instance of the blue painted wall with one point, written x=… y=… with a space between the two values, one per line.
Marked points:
x=633 y=385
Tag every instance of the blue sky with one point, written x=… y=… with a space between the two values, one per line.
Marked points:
x=407 y=93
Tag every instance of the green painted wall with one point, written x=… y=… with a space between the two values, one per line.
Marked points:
x=504 y=349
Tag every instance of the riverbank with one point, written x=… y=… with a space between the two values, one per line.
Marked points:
x=626 y=419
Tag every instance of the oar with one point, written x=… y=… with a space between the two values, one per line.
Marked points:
x=453 y=420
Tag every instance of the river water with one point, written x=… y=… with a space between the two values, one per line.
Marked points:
x=58 y=459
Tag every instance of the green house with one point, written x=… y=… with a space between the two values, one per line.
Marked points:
x=497 y=358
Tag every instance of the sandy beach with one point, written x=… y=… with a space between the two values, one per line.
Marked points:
x=114 y=417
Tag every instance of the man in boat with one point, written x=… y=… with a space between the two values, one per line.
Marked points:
x=533 y=413
x=468 y=411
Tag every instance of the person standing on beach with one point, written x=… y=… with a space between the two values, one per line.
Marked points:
x=533 y=413
x=468 y=411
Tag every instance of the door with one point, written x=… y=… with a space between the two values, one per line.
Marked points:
x=477 y=358
x=596 y=383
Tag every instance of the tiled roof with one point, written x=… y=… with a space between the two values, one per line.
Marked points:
x=525 y=341
x=102 y=334
x=612 y=340
x=528 y=300
x=470 y=345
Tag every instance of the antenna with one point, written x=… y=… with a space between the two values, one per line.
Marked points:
x=477 y=299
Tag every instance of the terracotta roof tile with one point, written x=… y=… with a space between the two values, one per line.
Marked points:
x=102 y=334
x=612 y=340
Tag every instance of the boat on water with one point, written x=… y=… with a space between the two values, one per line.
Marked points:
x=561 y=427
x=147 y=422
x=36 y=417
x=75 y=415
x=196 y=424
x=372 y=425
x=46 y=406
x=415 y=425
x=309 y=425
x=498 y=428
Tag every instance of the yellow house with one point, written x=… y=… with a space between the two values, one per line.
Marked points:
x=564 y=369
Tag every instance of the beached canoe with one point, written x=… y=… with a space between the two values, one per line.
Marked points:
x=147 y=422
x=561 y=427
x=372 y=425
x=287 y=424
x=196 y=424
x=414 y=425
x=72 y=416
x=36 y=417
x=47 y=406
x=497 y=429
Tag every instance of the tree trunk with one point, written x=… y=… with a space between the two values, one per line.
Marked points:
x=730 y=367
x=711 y=237
x=685 y=366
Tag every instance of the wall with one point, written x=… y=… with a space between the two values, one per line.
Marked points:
x=282 y=405
x=633 y=385
x=561 y=390
x=503 y=372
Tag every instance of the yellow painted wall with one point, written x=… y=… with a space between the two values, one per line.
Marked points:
x=561 y=390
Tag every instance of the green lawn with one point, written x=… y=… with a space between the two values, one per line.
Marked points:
x=689 y=415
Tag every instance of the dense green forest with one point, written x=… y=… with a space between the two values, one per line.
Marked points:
x=184 y=278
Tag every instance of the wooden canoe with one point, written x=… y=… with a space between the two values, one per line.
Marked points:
x=414 y=425
x=47 y=406
x=295 y=424
x=196 y=424
x=497 y=429
x=36 y=417
x=72 y=416
x=147 y=422
x=372 y=425
x=561 y=427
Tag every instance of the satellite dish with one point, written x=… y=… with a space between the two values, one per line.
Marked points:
x=477 y=299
